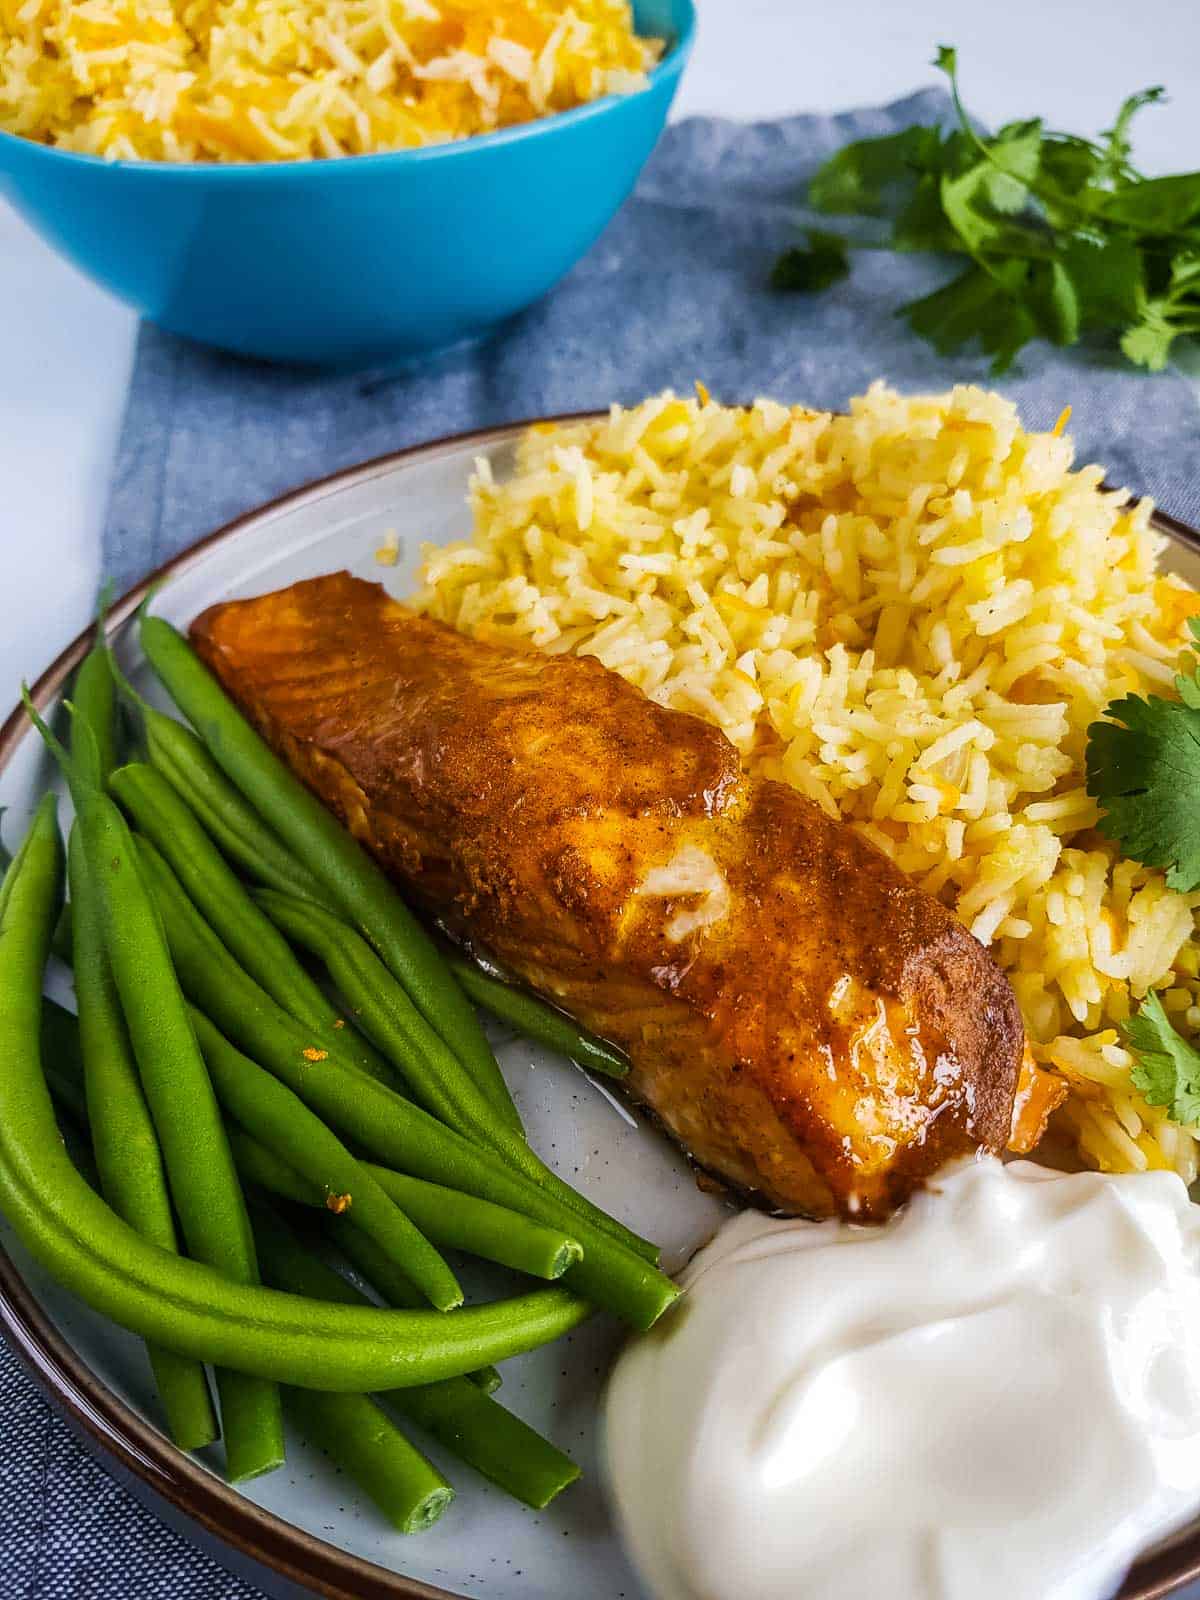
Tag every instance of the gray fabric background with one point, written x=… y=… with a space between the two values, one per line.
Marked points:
x=674 y=291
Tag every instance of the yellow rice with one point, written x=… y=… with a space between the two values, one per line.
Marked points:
x=911 y=613
x=272 y=80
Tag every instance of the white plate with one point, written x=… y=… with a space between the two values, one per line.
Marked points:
x=310 y=1527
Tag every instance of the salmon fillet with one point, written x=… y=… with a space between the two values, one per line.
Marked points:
x=809 y=1024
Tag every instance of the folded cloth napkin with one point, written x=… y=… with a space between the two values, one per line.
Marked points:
x=674 y=291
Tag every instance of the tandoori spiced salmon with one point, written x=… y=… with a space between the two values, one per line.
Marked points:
x=806 y=1021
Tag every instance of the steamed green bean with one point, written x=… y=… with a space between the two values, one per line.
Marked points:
x=182 y=1304
x=125 y=1146
x=159 y=813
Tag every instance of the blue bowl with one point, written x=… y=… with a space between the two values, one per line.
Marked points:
x=360 y=259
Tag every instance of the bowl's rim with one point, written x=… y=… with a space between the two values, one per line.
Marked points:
x=665 y=70
x=114 y=1427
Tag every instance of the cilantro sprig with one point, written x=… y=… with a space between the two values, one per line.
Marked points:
x=1168 y=1069
x=1061 y=235
x=1143 y=766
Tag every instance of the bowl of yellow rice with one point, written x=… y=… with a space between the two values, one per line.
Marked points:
x=330 y=182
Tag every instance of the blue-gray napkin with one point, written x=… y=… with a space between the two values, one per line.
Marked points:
x=674 y=291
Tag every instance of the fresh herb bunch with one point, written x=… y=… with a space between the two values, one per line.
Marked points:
x=1062 y=234
x=1143 y=766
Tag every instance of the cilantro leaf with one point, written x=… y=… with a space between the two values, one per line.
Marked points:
x=1054 y=301
x=1168 y=1069
x=1109 y=279
x=859 y=177
x=805 y=271
x=1143 y=766
x=920 y=224
x=1156 y=206
x=1069 y=168
x=960 y=201
x=1015 y=155
x=1147 y=343
x=1161 y=319
x=979 y=305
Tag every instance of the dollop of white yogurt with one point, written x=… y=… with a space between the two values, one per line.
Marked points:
x=997 y=1394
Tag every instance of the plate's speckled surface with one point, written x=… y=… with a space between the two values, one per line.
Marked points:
x=316 y=1531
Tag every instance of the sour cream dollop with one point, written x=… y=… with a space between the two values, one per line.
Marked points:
x=996 y=1394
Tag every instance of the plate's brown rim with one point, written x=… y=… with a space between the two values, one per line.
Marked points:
x=113 y=1426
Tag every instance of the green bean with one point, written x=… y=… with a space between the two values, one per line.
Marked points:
x=182 y=1304
x=453 y=1221
x=93 y=698
x=62 y=1063
x=535 y=1019
x=262 y=1167
x=407 y=1139
x=358 y=886
x=8 y=882
x=365 y=1256
x=502 y=1448
x=352 y=1429
x=187 y=1120
x=457 y=1413
x=221 y=988
x=257 y=1165
x=93 y=745
x=252 y=937
x=238 y=830
x=70 y=1109
x=392 y=1287
x=391 y=1128
x=281 y=1121
x=124 y=1143
x=62 y=1059
x=61 y=942
x=480 y=1227
x=382 y=1005
x=429 y=1067
x=112 y=1269
x=364 y=1441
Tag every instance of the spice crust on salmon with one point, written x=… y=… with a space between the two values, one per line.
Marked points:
x=803 y=1018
